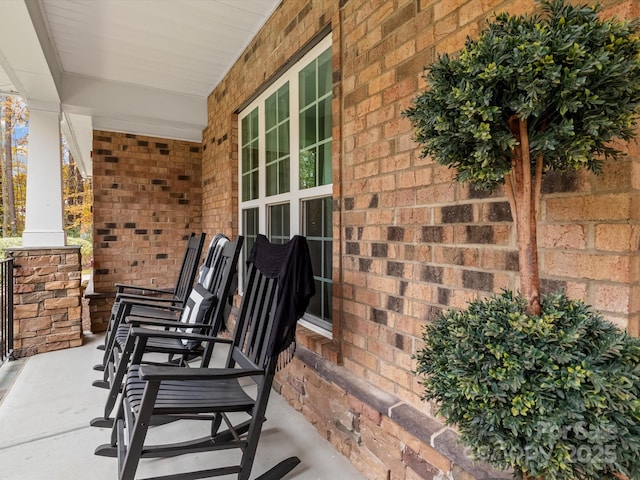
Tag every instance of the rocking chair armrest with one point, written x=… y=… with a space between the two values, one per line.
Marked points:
x=149 y=332
x=160 y=373
x=154 y=309
x=137 y=321
x=143 y=299
x=120 y=287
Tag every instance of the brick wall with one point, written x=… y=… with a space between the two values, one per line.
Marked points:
x=409 y=240
x=147 y=200
x=415 y=241
x=47 y=307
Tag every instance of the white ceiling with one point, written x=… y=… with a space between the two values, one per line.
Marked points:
x=135 y=66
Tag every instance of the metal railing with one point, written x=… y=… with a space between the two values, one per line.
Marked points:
x=6 y=310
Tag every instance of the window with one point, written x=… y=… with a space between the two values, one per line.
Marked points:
x=285 y=168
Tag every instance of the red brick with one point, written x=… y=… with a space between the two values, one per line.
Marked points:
x=601 y=207
x=612 y=298
x=617 y=237
x=614 y=268
x=567 y=236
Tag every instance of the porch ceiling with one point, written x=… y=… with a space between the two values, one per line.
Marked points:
x=135 y=66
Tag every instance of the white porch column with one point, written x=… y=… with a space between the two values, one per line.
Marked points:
x=44 y=214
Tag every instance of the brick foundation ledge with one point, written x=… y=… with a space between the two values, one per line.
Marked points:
x=384 y=437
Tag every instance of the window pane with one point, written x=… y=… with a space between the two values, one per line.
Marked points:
x=307 y=169
x=250 y=231
x=283 y=103
x=246 y=159
x=307 y=127
x=308 y=85
x=324 y=73
x=272 y=179
x=283 y=175
x=279 y=221
x=327 y=309
x=284 y=139
x=271 y=146
x=324 y=119
x=250 y=185
x=315 y=250
x=314 y=211
x=254 y=123
x=254 y=154
x=245 y=130
x=325 y=170
x=315 y=304
x=270 y=111
x=246 y=188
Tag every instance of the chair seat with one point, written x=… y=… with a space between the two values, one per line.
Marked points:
x=191 y=396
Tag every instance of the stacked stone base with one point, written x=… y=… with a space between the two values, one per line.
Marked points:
x=384 y=437
x=47 y=299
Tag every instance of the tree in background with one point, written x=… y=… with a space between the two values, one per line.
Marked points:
x=14 y=148
x=14 y=118
x=77 y=196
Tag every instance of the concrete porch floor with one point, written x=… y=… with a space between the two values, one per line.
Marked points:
x=45 y=432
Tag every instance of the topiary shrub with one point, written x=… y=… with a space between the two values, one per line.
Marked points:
x=554 y=396
x=532 y=94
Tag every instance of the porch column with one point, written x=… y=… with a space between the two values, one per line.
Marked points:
x=44 y=211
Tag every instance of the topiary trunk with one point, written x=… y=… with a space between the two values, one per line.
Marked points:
x=523 y=190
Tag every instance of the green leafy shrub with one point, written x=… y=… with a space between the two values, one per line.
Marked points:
x=554 y=396
x=86 y=248
x=8 y=242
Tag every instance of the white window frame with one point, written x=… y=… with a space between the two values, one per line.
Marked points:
x=295 y=196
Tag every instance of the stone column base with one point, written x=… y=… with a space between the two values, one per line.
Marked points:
x=47 y=293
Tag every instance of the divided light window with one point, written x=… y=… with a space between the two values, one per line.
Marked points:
x=285 y=169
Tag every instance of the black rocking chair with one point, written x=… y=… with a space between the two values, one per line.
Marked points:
x=206 y=312
x=278 y=288
x=142 y=301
